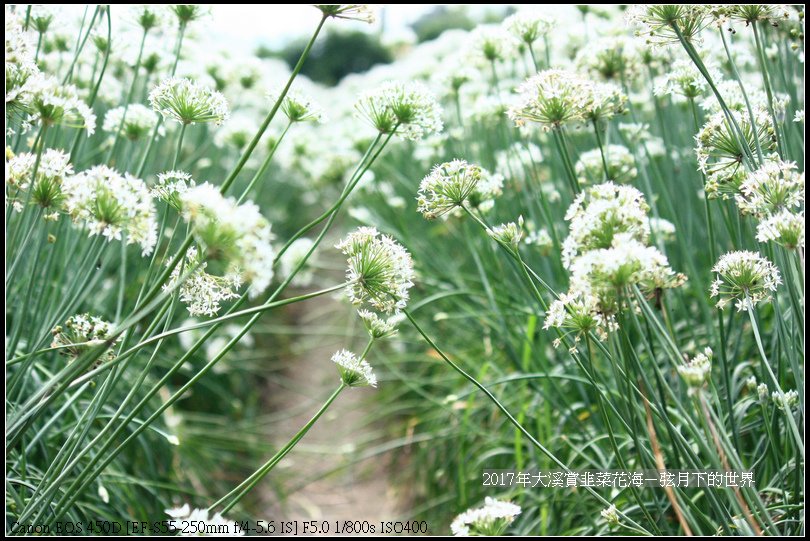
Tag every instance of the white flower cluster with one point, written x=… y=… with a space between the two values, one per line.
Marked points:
x=662 y=230
x=299 y=107
x=43 y=16
x=601 y=212
x=380 y=270
x=682 y=79
x=51 y=103
x=491 y=519
x=607 y=252
x=719 y=151
x=508 y=234
x=490 y=43
x=408 y=109
x=528 y=26
x=20 y=65
x=604 y=101
x=610 y=514
x=621 y=166
x=354 y=372
x=657 y=22
x=54 y=166
x=376 y=326
x=147 y=16
x=752 y=13
x=556 y=97
x=237 y=133
x=111 y=204
x=785 y=228
x=627 y=262
x=187 y=13
x=189 y=102
x=171 y=185
x=134 y=122
x=579 y=313
x=351 y=12
x=610 y=58
x=697 y=370
x=81 y=333
x=236 y=235
x=746 y=277
x=201 y=292
x=774 y=193
x=785 y=401
x=447 y=187
x=551 y=98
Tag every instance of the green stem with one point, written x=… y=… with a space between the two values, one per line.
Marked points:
x=508 y=415
x=80 y=46
x=243 y=488
x=269 y=118
x=763 y=66
x=601 y=150
x=767 y=365
x=130 y=93
x=179 y=145
x=265 y=165
x=563 y=152
x=693 y=55
x=736 y=74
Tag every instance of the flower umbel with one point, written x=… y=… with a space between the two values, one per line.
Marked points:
x=81 y=333
x=135 y=121
x=408 y=109
x=784 y=228
x=46 y=191
x=111 y=204
x=380 y=270
x=52 y=103
x=746 y=277
x=696 y=371
x=201 y=292
x=188 y=102
x=551 y=98
x=376 y=326
x=351 y=12
x=354 y=372
x=492 y=519
x=236 y=236
x=775 y=186
x=447 y=187
x=581 y=314
x=170 y=186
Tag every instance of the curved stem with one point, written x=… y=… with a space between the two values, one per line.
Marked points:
x=245 y=486
x=508 y=415
x=269 y=118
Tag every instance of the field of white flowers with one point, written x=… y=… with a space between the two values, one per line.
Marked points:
x=568 y=241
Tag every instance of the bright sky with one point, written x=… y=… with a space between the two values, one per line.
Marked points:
x=247 y=25
x=244 y=26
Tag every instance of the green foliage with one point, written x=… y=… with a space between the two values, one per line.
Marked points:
x=338 y=54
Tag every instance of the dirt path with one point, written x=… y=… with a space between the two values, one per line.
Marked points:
x=358 y=491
